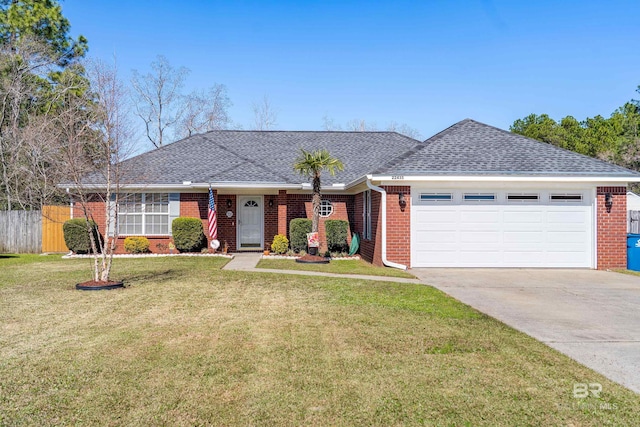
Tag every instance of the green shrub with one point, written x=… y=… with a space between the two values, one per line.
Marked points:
x=76 y=235
x=298 y=229
x=337 y=231
x=136 y=244
x=280 y=244
x=188 y=235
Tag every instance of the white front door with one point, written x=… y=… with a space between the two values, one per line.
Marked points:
x=250 y=222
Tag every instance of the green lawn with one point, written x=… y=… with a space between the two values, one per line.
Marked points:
x=352 y=266
x=188 y=344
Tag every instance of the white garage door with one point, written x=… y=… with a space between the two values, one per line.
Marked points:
x=501 y=228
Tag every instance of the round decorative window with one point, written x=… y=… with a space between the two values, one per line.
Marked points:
x=326 y=208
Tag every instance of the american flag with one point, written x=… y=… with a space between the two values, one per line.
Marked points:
x=213 y=218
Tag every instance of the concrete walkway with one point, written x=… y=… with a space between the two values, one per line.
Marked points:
x=247 y=262
x=591 y=316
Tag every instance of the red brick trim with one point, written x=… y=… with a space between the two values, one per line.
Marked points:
x=611 y=228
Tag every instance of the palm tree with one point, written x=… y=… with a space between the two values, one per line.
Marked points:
x=311 y=165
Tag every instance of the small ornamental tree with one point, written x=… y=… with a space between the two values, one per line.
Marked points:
x=311 y=164
x=94 y=136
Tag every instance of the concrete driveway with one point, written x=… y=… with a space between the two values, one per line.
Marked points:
x=591 y=316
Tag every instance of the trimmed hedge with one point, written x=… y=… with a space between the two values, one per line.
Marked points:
x=136 y=244
x=76 y=235
x=188 y=235
x=337 y=231
x=280 y=244
x=298 y=229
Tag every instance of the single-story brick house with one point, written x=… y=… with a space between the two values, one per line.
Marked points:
x=470 y=196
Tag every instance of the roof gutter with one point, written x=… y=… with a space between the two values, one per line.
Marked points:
x=383 y=195
x=502 y=178
x=188 y=185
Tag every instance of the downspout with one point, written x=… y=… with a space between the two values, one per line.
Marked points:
x=383 y=195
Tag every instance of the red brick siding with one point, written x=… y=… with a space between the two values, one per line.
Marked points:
x=282 y=212
x=270 y=219
x=612 y=229
x=226 y=225
x=300 y=206
x=370 y=249
x=398 y=225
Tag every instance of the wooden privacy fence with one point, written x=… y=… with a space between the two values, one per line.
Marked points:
x=52 y=219
x=20 y=231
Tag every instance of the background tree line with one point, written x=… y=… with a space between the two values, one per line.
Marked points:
x=614 y=139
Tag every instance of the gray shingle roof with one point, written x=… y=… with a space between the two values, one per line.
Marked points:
x=466 y=148
x=263 y=156
x=472 y=148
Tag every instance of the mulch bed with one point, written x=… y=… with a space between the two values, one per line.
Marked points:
x=313 y=259
x=93 y=285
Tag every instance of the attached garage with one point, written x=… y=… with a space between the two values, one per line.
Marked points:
x=480 y=227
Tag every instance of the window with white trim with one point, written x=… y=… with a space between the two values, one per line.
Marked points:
x=366 y=215
x=523 y=197
x=326 y=208
x=436 y=197
x=143 y=213
x=479 y=197
x=565 y=197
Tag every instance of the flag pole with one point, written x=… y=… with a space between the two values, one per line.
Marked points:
x=212 y=216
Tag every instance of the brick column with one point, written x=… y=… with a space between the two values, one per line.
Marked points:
x=612 y=228
x=282 y=212
x=398 y=224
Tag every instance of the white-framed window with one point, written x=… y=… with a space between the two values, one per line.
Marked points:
x=479 y=197
x=326 y=208
x=143 y=214
x=565 y=197
x=366 y=215
x=523 y=197
x=436 y=197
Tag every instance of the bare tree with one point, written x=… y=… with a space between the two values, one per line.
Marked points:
x=265 y=116
x=158 y=98
x=27 y=104
x=96 y=169
x=204 y=111
x=361 y=125
x=404 y=129
x=329 y=124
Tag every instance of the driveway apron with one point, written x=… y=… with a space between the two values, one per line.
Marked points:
x=591 y=316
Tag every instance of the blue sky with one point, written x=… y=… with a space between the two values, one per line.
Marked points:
x=425 y=63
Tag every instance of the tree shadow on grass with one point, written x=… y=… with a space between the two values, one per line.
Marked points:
x=159 y=276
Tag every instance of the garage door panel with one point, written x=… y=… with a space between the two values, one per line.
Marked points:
x=480 y=216
x=480 y=257
x=430 y=216
x=482 y=237
x=522 y=217
x=523 y=237
x=516 y=258
x=564 y=236
x=504 y=234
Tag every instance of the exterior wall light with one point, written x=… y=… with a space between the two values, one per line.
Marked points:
x=271 y=202
x=608 y=201
x=401 y=201
x=229 y=203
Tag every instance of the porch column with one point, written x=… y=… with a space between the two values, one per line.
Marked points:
x=282 y=212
